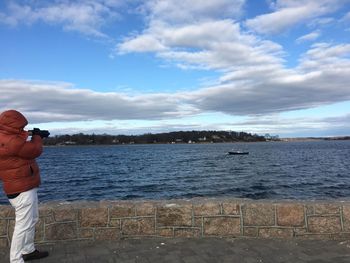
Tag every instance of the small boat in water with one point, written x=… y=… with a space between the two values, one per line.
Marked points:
x=238 y=153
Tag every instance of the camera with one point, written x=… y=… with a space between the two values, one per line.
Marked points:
x=41 y=133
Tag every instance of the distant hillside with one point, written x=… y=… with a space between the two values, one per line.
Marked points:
x=149 y=138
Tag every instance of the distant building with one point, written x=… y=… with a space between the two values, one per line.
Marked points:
x=69 y=143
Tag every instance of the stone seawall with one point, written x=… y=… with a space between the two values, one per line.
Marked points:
x=110 y=220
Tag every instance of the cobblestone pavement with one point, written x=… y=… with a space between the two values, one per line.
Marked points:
x=197 y=251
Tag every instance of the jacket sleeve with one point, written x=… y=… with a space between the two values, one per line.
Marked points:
x=27 y=149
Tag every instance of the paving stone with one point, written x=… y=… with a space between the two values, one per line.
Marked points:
x=222 y=226
x=346 y=217
x=319 y=224
x=6 y=211
x=62 y=231
x=123 y=210
x=63 y=215
x=206 y=209
x=94 y=217
x=276 y=232
x=174 y=215
x=230 y=208
x=197 y=250
x=138 y=226
x=290 y=215
x=258 y=214
x=3 y=227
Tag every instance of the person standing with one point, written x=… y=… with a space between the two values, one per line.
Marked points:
x=20 y=176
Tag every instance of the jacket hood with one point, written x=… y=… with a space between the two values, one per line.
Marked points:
x=12 y=121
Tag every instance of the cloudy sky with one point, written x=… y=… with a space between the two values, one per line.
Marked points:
x=131 y=66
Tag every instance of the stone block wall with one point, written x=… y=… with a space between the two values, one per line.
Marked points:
x=240 y=218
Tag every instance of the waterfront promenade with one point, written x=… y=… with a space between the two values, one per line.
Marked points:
x=185 y=231
x=197 y=250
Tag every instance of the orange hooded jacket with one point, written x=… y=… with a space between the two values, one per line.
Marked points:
x=19 y=171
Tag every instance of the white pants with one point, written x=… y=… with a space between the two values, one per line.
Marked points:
x=27 y=215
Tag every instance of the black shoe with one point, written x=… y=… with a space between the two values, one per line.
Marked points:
x=35 y=255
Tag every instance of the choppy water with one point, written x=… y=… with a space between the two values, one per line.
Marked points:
x=300 y=170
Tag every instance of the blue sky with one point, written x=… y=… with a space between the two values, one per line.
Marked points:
x=130 y=67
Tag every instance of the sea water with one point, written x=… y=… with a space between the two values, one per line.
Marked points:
x=272 y=170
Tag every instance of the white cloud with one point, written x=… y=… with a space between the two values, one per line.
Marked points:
x=254 y=80
x=346 y=18
x=189 y=11
x=190 y=33
x=327 y=57
x=309 y=37
x=289 y=13
x=321 y=22
x=296 y=126
x=212 y=45
x=144 y=43
x=336 y=125
x=86 y=17
x=258 y=88
x=321 y=78
x=47 y=102
x=280 y=20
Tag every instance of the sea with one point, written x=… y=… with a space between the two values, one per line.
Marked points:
x=308 y=170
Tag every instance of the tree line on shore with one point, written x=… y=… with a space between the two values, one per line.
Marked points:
x=160 y=138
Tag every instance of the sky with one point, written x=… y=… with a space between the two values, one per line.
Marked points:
x=131 y=67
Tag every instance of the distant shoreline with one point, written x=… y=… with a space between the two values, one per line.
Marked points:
x=179 y=137
x=336 y=138
x=176 y=137
x=282 y=140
